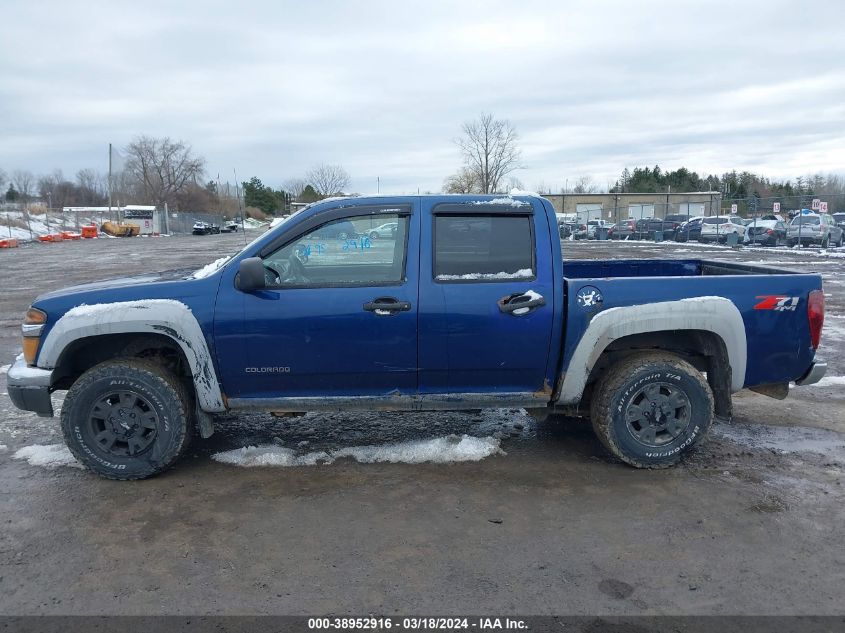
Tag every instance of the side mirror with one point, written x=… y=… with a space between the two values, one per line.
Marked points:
x=251 y=274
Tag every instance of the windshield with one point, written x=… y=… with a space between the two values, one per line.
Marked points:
x=839 y=217
x=806 y=219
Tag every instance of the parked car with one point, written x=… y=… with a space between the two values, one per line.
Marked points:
x=717 y=228
x=839 y=219
x=594 y=225
x=690 y=230
x=230 y=227
x=147 y=365
x=624 y=230
x=766 y=233
x=814 y=228
x=648 y=228
x=565 y=229
x=580 y=231
x=336 y=230
x=388 y=229
x=205 y=228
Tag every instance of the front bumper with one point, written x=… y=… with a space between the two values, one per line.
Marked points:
x=29 y=388
x=817 y=371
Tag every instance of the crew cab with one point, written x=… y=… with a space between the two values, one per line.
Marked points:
x=470 y=303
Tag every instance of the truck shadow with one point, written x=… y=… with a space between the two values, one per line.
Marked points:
x=515 y=430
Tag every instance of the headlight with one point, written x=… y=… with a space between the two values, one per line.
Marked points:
x=33 y=324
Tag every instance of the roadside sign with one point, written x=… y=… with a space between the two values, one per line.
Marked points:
x=816 y=203
x=822 y=207
x=734 y=208
x=776 y=207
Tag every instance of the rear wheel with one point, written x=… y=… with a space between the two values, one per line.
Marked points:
x=651 y=409
x=127 y=419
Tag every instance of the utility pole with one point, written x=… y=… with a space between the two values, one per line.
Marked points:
x=378 y=184
x=110 y=182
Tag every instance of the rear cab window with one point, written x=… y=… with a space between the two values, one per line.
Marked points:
x=480 y=247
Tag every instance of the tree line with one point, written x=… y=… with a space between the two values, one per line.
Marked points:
x=163 y=171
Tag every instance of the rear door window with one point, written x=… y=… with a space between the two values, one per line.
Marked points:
x=483 y=248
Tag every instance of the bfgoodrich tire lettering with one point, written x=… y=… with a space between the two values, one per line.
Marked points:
x=679 y=421
x=144 y=390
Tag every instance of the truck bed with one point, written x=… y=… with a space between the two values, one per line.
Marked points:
x=778 y=339
x=591 y=269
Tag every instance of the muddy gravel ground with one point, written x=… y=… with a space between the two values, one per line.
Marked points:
x=548 y=523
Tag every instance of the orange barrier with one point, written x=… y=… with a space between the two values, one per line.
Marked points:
x=9 y=243
x=70 y=235
x=89 y=231
x=53 y=237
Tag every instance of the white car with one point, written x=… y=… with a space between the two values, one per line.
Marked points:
x=594 y=225
x=717 y=228
x=388 y=229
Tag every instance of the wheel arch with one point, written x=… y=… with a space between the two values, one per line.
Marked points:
x=86 y=335
x=708 y=332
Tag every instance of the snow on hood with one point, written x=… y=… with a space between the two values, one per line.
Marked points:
x=438 y=450
x=85 y=310
x=210 y=269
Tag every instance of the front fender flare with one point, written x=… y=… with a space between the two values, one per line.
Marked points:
x=711 y=314
x=158 y=316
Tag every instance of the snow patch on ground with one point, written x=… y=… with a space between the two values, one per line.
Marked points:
x=438 y=450
x=828 y=381
x=3 y=447
x=4 y=369
x=211 y=268
x=522 y=273
x=784 y=440
x=48 y=456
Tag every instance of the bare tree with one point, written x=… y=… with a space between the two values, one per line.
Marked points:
x=3 y=181
x=294 y=186
x=489 y=149
x=464 y=181
x=163 y=168
x=585 y=184
x=24 y=182
x=328 y=180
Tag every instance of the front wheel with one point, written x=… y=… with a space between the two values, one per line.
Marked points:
x=127 y=419
x=651 y=409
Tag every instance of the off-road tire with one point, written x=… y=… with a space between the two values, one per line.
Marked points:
x=622 y=383
x=166 y=396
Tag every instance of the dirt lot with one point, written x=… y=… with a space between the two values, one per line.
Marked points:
x=752 y=524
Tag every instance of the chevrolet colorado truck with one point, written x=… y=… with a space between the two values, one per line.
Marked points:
x=469 y=303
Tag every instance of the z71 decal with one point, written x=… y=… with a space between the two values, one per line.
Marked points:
x=777 y=303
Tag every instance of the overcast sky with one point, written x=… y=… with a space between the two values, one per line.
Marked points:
x=272 y=88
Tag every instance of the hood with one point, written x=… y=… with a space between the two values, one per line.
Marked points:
x=119 y=282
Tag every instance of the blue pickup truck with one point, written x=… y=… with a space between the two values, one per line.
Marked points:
x=466 y=302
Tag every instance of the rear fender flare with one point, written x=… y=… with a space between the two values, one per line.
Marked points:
x=712 y=314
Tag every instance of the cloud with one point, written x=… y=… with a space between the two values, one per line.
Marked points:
x=271 y=89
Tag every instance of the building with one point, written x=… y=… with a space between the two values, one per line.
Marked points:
x=147 y=218
x=615 y=207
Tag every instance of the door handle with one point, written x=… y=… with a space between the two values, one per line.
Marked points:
x=520 y=303
x=385 y=306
